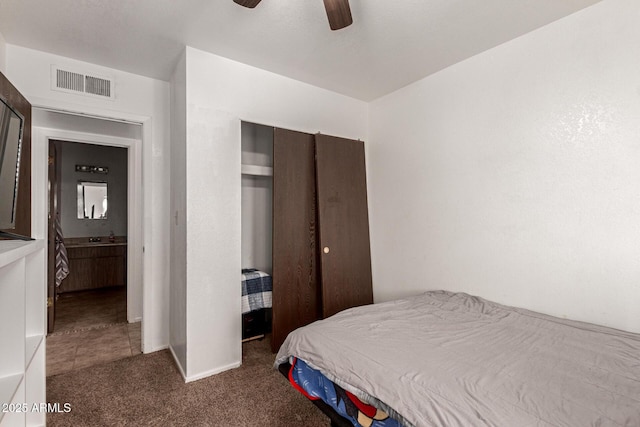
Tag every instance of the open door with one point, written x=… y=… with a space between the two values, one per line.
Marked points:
x=54 y=197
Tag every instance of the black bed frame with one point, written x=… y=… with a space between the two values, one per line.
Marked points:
x=337 y=420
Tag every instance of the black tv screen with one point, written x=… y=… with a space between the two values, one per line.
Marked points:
x=11 y=126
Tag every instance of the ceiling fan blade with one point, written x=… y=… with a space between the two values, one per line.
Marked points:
x=338 y=12
x=248 y=3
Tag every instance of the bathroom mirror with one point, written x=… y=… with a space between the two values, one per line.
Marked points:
x=92 y=200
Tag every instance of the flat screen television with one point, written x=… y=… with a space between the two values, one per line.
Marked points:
x=11 y=128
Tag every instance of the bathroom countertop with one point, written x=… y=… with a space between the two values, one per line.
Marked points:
x=94 y=244
x=83 y=242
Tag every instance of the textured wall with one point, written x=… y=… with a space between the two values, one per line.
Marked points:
x=518 y=171
x=3 y=55
x=178 y=227
x=138 y=99
x=221 y=93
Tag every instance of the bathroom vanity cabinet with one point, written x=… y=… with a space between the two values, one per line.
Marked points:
x=95 y=265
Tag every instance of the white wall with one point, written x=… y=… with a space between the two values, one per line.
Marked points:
x=137 y=99
x=519 y=173
x=221 y=93
x=178 y=291
x=3 y=54
x=84 y=124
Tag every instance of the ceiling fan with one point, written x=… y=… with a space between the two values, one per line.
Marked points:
x=338 y=11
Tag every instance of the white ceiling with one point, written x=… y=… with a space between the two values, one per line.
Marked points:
x=391 y=43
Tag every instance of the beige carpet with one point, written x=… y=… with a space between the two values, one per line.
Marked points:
x=147 y=390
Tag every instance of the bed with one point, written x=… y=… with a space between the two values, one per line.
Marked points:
x=452 y=359
x=257 y=287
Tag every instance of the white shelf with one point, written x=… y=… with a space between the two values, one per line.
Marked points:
x=256 y=170
x=8 y=387
x=22 y=328
x=31 y=346
x=13 y=250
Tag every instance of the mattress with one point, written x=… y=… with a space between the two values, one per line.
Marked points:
x=452 y=359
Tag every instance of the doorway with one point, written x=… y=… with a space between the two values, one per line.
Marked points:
x=87 y=280
x=113 y=312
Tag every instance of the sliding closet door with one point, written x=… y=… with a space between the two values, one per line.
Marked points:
x=296 y=295
x=343 y=221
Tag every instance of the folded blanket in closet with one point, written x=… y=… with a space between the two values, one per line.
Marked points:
x=256 y=290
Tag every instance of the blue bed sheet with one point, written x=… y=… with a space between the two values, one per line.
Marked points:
x=314 y=385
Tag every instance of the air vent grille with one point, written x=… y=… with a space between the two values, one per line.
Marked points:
x=79 y=83
x=69 y=80
x=97 y=86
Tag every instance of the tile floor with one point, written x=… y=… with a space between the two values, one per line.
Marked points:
x=90 y=329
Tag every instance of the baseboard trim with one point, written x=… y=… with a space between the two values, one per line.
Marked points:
x=178 y=365
x=154 y=349
x=212 y=372
x=188 y=379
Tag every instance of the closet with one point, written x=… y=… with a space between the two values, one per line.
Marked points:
x=257 y=189
x=320 y=252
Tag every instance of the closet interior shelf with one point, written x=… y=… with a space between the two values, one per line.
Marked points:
x=257 y=170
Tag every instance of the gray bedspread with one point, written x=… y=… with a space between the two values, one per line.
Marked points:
x=451 y=359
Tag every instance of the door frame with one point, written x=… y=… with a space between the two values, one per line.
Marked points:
x=135 y=279
x=52 y=203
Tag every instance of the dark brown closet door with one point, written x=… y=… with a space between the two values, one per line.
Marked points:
x=296 y=296
x=343 y=222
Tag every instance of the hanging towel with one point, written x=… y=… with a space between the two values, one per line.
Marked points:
x=62 y=260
